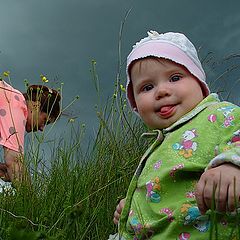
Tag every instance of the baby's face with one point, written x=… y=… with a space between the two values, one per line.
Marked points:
x=164 y=91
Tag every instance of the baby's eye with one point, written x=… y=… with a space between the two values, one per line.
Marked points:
x=175 y=78
x=147 y=88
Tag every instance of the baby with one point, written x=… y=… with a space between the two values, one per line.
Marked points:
x=193 y=164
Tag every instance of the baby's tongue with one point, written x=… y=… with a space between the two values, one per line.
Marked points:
x=165 y=109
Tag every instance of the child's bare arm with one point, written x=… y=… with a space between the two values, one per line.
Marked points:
x=225 y=181
x=16 y=170
x=118 y=211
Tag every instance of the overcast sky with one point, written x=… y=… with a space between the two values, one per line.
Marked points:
x=59 y=38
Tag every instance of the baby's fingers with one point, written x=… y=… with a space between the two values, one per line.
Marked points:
x=208 y=194
x=233 y=196
x=221 y=197
x=116 y=217
x=199 y=196
x=121 y=204
x=118 y=211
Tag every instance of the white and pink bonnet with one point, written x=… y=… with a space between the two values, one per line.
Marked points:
x=172 y=46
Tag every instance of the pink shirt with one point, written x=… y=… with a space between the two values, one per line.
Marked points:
x=13 y=117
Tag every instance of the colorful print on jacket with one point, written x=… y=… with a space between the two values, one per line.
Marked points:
x=160 y=202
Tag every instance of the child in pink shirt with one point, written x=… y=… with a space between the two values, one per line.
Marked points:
x=13 y=117
x=20 y=112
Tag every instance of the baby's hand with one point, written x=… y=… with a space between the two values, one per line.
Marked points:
x=221 y=180
x=118 y=211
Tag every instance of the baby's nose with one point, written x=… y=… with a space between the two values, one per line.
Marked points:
x=162 y=91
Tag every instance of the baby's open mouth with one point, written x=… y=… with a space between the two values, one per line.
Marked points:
x=166 y=111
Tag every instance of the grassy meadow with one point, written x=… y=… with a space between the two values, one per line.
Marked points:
x=74 y=195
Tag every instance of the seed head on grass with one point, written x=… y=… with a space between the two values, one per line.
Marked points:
x=43 y=78
x=122 y=88
x=6 y=73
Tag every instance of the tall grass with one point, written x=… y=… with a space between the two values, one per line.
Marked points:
x=74 y=191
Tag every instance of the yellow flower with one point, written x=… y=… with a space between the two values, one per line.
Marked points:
x=43 y=78
x=122 y=88
x=6 y=73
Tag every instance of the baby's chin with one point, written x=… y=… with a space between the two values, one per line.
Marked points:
x=163 y=125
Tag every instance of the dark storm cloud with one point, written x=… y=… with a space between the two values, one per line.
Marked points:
x=61 y=37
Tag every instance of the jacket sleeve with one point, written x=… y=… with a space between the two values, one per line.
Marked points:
x=228 y=131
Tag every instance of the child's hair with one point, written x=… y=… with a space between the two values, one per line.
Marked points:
x=48 y=98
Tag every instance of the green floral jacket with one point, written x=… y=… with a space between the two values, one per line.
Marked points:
x=160 y=202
